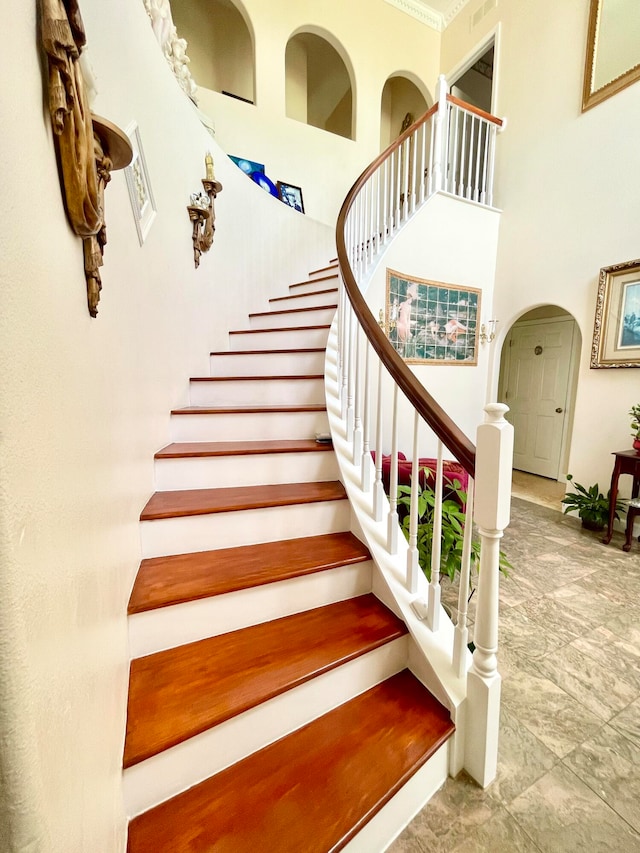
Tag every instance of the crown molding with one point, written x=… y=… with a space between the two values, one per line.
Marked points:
x=454 y=9
x=424 y=13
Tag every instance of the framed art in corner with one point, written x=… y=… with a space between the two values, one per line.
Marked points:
x=616 y=331
x=429 y=322
x=291 y=195
x=139 y=186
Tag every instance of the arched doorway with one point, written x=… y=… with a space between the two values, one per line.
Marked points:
x=538 y=381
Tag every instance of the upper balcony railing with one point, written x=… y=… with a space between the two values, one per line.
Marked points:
x=450 y=149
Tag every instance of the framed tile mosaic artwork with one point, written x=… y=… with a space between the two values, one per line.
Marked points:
x=430 y=322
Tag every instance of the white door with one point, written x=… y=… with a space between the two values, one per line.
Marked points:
x=537 y=392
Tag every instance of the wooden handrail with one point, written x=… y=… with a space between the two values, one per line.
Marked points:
x=434 y=415
x=475 y=110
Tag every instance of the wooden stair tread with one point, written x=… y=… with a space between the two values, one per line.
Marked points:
x=310 y=791
x=308 y=293
x=163 y=581
x=331 y=266
x=314 y=280
x=254 y=378
x=181 y=692
x=282 y=329
x=194 y=449
x=293 y=310
x=249 y=409
x=292 y=351
x=178 y=503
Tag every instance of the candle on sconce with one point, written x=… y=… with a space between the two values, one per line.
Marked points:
x=208 y=162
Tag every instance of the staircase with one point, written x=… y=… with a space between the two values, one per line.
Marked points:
x=270 y=704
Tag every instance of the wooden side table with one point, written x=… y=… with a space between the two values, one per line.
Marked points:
x=626 y=462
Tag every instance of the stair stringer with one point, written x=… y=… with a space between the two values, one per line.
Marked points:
x=430 y=653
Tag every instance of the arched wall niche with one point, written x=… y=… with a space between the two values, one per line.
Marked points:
x=403 y=94
x=221 y=45
x=319 y=82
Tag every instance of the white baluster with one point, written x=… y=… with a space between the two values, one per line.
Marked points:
x=454 y=118
x=398 y=216
x=345 y=360
x=378 y=216
x=487 y=130
x=351 y=374
x=357 y=423
x=413 y=563
x=392 y=530
x=385 y=211
x=433 y=611
x=459 y=191
x=472 y=136
x=476 y=188
x=494 y=455
x=431 y=184
x=339 y=313
x=492 y=156
x=413 y=150
x=423 y=159
x=461 y=636
x=441 y=132
x=378 y=489
x=366 y=423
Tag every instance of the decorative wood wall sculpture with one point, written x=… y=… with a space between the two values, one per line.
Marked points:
x=202 y=212
x=89 y=147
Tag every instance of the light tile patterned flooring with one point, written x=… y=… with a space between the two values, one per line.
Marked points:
x=569 y=763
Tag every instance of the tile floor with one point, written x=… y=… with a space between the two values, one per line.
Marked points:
x=569 y=763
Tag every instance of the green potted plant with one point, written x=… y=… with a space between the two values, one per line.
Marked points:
x=634 y=412
x=590 y=504
x=452 y=536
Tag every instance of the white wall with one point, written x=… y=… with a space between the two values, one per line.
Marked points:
x=566 y=182
x=454 y=242
x=85 y=403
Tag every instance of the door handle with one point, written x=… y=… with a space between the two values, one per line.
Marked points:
x=558 y=410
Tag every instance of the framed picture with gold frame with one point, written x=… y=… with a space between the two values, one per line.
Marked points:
x=430 y=322
x=613 y=50
x=616 y=331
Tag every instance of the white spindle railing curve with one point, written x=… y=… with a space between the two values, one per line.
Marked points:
x=450 y=149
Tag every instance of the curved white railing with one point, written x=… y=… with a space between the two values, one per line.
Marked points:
x=450 y=149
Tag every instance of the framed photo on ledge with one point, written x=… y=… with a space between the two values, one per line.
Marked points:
x=616 y=331
x=291 y=195
x=429 y=322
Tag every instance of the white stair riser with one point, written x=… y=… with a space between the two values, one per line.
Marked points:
x=313 y=284
x=209 y=472
x=286 y=339
x=321 y=296
x=330 y=269
x=278 y=320
x=387 y=824
x=257 y=392
x=243 y=527
x=268 y=364
x=174 y=770
x=248 y=427
x=178 y=624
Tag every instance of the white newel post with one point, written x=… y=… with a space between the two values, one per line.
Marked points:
x=440 y=135
x=494 y=461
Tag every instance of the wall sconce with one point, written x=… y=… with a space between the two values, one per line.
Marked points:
x=202 y=212
x=488 y=332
